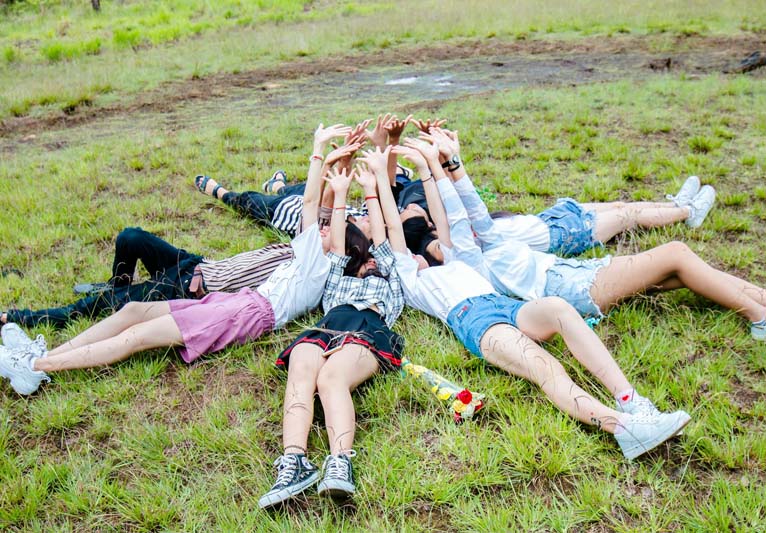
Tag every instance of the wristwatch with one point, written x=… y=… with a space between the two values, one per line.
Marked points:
x=452 y=164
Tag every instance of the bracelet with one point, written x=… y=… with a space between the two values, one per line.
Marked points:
x=336 y=208
x=428 y=179
x=370 y=198
x=316 y=157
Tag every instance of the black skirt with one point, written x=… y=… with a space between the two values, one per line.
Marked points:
x=345 y=324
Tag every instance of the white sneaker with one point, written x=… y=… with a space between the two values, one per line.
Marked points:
x=700 y=206
x=686 y=193
x=16 y=365
x=641 y=433
x=638 y=405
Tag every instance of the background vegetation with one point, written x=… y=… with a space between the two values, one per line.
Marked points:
x=153 y=444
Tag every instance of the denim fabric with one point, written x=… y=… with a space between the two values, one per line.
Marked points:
x=135 y=244
x=571 y=228
x=571 y=279
x=472 y=317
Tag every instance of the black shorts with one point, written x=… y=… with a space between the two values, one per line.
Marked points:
x=346 y=325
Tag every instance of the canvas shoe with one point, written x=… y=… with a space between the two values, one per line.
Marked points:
x=13 y=336
x=637 y=404
x=700 y=206
x=338 y=481
x=686 y=193
x=295 y=473
x=640 y=433
x=16 y=365
x=758 y=330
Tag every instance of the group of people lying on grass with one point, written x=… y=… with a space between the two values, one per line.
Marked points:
x=497 y=282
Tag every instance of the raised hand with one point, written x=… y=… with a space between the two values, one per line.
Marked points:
x=429 y=151
x=378 y=136
x=324 y=135
x=342 y=153
x=448 y=145
x=377 y=160
x=366 y=179
x=358 y=133
x=394 y=127
x=425 y=125
x=339 y=181
x=413 y=156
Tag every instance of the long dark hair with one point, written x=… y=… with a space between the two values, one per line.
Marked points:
x=357 y=248
x=418 y=234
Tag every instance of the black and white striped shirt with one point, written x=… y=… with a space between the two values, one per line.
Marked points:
x=248 y=269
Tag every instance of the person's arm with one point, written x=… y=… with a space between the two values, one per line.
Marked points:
x=444 y=203
x=377 y=162
x=394 y=127
x=388 y=206
x=339 y=182
x=312 y=193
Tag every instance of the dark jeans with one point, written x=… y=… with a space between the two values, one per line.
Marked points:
x=171 y=271
x=261 y=206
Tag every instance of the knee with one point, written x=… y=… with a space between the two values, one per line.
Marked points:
x=129 y=238
x=677 y=247
x=132 y=310
x=557 y=308
x=330 y=379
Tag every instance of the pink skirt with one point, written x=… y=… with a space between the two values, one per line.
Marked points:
x=220 y=319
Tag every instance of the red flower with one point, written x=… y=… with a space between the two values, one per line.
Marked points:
x=465 y=396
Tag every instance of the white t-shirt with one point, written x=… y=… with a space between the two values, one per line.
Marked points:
x=438 y=290
x=528 y=229
x=296 y=286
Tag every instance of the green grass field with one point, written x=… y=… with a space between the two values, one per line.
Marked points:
x=152 y=444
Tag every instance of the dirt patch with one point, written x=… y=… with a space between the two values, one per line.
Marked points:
x=694 y=54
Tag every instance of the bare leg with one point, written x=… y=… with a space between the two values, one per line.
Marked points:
x=543 y=318
x=155 y=333
x=133 y=313
x=345 y=370
x=615 y=221
x=598 y=207
x=305 y=363
x=662 y=267
x=506 y=347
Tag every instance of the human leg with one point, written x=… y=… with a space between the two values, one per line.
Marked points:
x=543 y=318
x=295 y=473
x=258 y=206
x=131 y=314
x=509 y=349
x=627 y=216
x=629 y=275
x=157 y=255
x=346 y=369
x=153 y=333
x=209 y=186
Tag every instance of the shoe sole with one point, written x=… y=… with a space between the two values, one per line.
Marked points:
x=337 y=491
x=642 y=448
x=270 y=500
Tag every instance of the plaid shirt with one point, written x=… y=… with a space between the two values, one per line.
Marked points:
x=363 y=293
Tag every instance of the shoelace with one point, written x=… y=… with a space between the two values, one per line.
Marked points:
x=645 y=405
x=286 y=465
x=337 y=466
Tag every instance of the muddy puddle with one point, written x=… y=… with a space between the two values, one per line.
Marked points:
x=378 y=88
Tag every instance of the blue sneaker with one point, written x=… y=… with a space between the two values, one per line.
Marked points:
x=295 y=473
x=338 y=481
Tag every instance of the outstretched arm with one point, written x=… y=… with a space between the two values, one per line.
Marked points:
x=377 y=162
x=374 y=166
x=339 y=182
x=312 y=193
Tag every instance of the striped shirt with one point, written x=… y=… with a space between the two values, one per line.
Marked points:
x=248 y=269
x=287 y=215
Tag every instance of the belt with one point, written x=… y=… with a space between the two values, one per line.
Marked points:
x=197 y=284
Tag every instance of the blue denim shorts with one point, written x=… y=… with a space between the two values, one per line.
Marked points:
x=571 y=279
x=571 y=228
x=471 y=318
